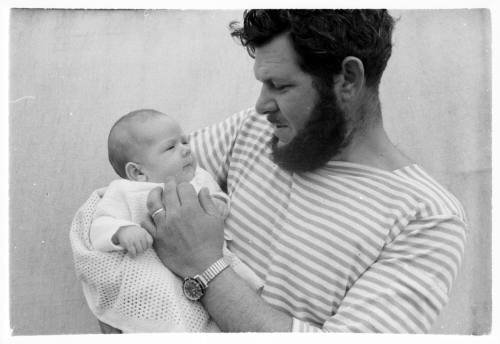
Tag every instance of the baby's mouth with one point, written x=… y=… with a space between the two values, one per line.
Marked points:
x=189 y=163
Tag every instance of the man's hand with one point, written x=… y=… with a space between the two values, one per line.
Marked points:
x=188 y=236
x=188 y=239
x=221 y=207
x=134 y=239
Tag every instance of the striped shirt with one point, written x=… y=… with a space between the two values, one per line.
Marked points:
x=346 y=248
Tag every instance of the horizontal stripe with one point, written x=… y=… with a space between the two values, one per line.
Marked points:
x=347 y=247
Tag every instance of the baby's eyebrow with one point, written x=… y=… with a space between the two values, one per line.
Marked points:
x=168 y=142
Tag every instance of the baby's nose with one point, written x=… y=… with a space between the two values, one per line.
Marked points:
x=186 y=150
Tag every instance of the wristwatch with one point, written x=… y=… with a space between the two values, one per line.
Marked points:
x=195 y=287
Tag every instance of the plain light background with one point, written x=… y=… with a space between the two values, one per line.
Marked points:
x=74 y=72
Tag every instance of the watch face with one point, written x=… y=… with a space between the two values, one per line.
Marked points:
x=193 y=289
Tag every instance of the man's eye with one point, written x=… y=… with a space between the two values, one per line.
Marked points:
x=280 y=87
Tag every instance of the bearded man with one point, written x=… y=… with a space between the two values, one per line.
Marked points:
x=347 y=233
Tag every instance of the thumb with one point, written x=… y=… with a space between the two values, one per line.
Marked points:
x=206 y=202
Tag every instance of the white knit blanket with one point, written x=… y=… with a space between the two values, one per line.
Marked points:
x=132 y=294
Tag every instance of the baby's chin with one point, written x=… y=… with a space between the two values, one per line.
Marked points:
x=187 y=173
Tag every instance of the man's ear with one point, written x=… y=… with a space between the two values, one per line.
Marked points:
x=350 y=80
x=134 y=172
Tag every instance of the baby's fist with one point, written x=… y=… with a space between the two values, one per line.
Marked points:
x=134 y=239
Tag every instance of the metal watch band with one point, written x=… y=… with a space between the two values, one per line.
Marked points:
x=214 y=269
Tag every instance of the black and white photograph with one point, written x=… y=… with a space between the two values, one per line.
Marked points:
x=182 y=170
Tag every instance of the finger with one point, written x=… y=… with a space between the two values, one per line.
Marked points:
x=150 y=227
x=138 y=247
x=144 y=243
x=131 y=251
x=149 y=241
x=170 y=197
x=154 y=203
x=187 y=195
x=141 y=246
x=206 y=202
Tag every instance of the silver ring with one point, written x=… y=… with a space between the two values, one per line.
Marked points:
x=156 y=212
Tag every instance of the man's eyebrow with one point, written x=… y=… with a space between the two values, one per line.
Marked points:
x=273 y=79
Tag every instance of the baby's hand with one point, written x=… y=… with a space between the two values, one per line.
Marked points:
x=134 y=239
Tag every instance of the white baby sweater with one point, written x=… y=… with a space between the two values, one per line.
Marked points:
x=135 y=294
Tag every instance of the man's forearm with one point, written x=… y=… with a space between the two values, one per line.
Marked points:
x=235 y=307
x=188 y=237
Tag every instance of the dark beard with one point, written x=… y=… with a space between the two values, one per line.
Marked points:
x=323 y=137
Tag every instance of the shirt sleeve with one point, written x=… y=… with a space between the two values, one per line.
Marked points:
x=408 y=285
x=111 y=214
x=213 y=145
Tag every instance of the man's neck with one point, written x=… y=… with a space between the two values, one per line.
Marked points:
x=371 y=146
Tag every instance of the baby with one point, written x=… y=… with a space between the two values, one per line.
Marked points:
x=145 y=147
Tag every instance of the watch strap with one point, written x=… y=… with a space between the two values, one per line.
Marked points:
x=212 y=271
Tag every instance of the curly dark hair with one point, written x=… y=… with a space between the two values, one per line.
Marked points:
x=323 y=38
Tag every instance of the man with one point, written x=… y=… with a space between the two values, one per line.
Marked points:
x=347 y=233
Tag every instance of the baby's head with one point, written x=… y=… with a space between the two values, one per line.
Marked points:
x=147 y=145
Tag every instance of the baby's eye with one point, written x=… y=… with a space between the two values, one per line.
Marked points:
x=169 y=148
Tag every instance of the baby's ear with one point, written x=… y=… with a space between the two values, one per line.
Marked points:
x=134 y=172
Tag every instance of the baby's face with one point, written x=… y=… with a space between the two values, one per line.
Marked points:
x=165 y=151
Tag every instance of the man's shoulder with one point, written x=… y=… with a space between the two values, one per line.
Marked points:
x=255 y=117
x=431 y=194
x=253 y=128
x=249 y=118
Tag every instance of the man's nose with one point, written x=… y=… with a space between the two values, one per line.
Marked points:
x=265 y=103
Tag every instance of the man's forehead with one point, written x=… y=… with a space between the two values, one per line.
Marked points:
x=279 y=52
